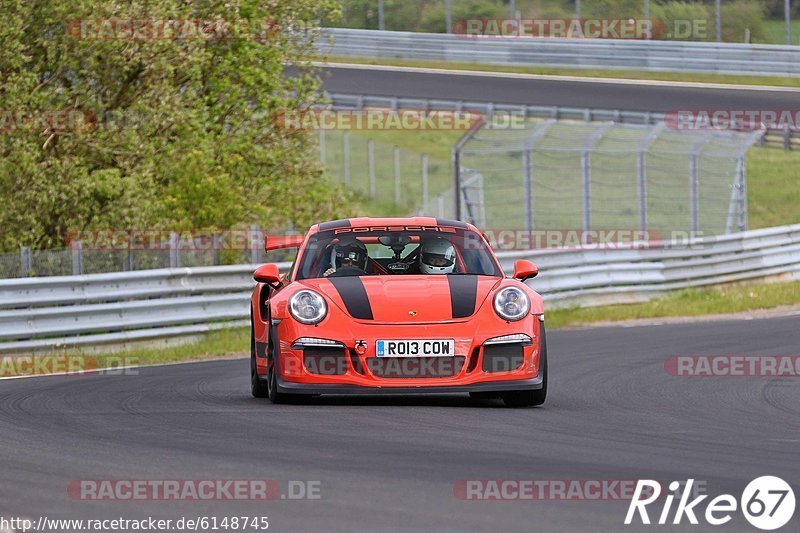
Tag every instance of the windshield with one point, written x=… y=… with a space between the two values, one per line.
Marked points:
x=401 y=251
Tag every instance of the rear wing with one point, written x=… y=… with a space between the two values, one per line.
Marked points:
x=278 y=242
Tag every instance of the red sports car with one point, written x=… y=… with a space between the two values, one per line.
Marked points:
x=397 y=306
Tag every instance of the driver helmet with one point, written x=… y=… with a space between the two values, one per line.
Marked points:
x=437 y=256
x=351 y=249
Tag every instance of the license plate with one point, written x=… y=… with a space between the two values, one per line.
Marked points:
x=416 y=348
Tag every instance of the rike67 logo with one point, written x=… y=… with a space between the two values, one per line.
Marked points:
x=767 y=503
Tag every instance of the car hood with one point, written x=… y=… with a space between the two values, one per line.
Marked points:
x=408 y=298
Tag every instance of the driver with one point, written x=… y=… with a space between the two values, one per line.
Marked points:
x=349 y=258
x=437 y=256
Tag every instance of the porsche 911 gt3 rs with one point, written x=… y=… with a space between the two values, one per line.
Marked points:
x=398 y=306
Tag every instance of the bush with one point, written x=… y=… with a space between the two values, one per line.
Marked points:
x=684 y=21
x=197 y=147
x=740 y=15
x=433 y=16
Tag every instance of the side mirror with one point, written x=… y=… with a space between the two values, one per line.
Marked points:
x=525 y=270
x=268 y=274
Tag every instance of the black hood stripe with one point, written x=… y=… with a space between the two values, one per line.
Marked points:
x=463 y=293
x=354 y=296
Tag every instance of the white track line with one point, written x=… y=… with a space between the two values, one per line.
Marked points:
x=548 y=77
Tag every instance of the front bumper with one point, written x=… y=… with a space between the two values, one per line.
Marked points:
x=290 y=387
x=356 y=375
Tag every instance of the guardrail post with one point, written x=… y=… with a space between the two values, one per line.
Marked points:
x=396 y=175
x=586 y=181
x=346 y=156
x=742 y=168
x=25 y=261
x=215 y=260
x=455 y=161
x=371 y=162
x=255 y=248
x=424 y=182
x=641 y=181
x=77 y=257
x=693 y=207
x=174 y=253
x=528 y=179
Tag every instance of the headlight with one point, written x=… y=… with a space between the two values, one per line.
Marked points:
x=511 y=304
x=307 y=307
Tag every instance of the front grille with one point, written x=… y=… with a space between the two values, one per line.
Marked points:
x=415 y=367
x=502 y=357
x=325 y=361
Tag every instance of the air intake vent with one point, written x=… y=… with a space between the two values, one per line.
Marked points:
x=502 y=357
x=325 y=361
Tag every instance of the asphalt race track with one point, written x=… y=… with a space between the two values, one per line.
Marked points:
x=586 y=92
x=390 y=463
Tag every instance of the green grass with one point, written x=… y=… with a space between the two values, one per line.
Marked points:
x=773 y=187
x=684 y=303
x=775 y=32
x=734 y=79
x=221 y=343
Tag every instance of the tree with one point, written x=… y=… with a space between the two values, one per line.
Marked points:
x=168 y=130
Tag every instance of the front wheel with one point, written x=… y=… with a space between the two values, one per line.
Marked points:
x=524 y=398
x=257 y=386
x=272 y=374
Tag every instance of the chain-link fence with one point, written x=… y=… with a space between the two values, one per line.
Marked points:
x=397 y=180
x=603 y=176
x=189 y=249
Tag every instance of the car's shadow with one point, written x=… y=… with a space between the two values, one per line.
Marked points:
x=392 y=400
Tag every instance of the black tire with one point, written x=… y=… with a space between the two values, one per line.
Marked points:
x=257 y=386
x=272 y=377
x=525 y=398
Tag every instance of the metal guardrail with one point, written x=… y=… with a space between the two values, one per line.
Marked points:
x=39 y=314
x=672 y=56
x=788 y=138
x=590 y=277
